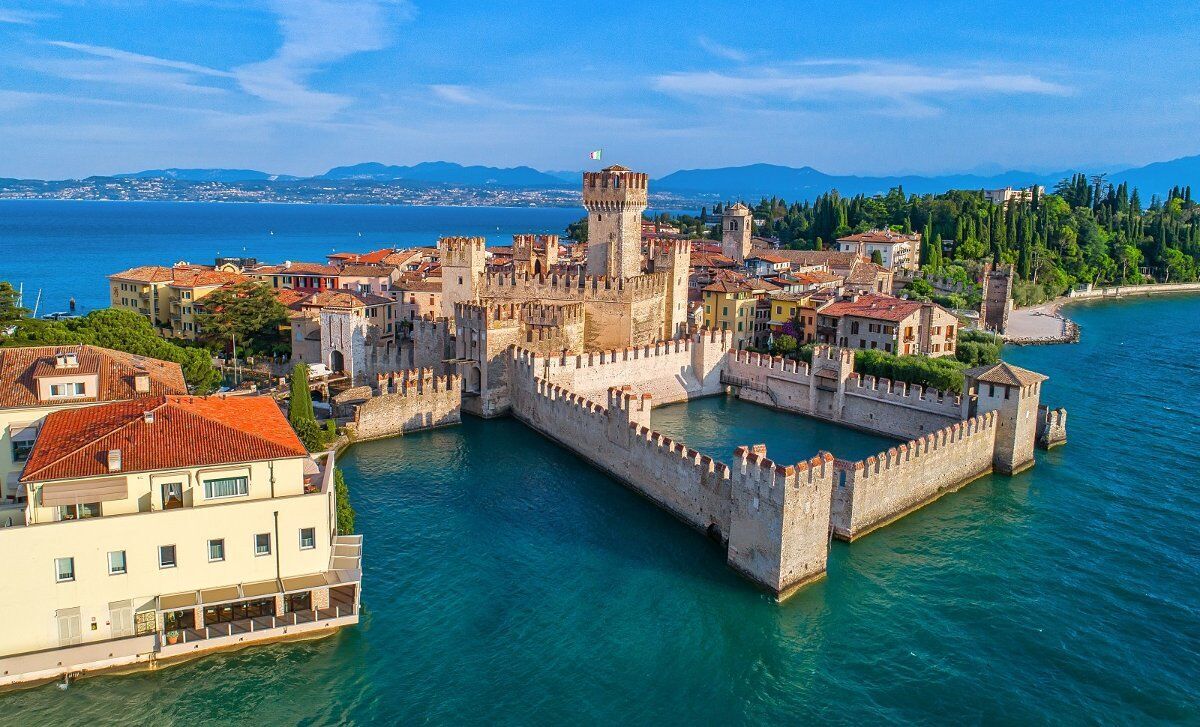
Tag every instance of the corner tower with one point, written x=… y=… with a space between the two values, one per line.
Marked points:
x=615 y=199
x=1013 y=393
x=736 y=227
x=463 y=262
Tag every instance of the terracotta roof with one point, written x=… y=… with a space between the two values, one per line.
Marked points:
x=816 y=277
x=711 y=260
x=866 y=273
x=1006 y=374
x=728 y=286
x=295 y=269
x=882 y=237
x=184 y=276
x=418 y=286
x=116 y=369
x=343 y=299
x=879 y=307
x=186 y=432
x=832 y=258
x=770 y=257
x=367 y=271
x=288 y=297
x=375 y=256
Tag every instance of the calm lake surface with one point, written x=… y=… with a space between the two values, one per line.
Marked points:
x=507 y=582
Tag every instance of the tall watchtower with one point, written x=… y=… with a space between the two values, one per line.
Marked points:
x=463 y=263
x=615 y=198
x=736 y=228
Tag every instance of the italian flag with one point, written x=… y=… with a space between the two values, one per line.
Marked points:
x=595 y=154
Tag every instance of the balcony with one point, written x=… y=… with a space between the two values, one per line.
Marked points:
x=265 y=627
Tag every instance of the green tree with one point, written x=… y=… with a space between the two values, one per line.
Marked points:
x=300 y=410
x=250 y=311
x=877 y=257
x=10 y=312
x=785 y=345
x=578 y=230
x=345 y=511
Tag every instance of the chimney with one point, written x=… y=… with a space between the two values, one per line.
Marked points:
x=141 y=383
x=114 y=460
x=148 y=416
x=759 y=449
x=66 y=360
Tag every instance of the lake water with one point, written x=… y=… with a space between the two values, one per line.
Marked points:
x=508 y=582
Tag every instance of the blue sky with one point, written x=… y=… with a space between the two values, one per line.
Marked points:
x=864 y=87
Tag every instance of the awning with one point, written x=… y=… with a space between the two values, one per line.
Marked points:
x=260 y=588
x=71 y=493
x=303 y=583
x=176 y=601
x=23 y=432
x=220 y=595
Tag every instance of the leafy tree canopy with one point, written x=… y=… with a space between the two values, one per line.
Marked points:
x=250 y=311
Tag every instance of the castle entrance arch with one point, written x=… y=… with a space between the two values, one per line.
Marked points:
x=337 y=362
x=473 y=380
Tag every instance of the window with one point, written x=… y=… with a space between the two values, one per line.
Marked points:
x=78 y=512
x=64 y=569
x=854 y=326
x=308 y=538
x=66 y=390
x=166 y=556
x=262 y=544
x=227 y=487
x=216 y=550
x=116 y=562
x=21 y=449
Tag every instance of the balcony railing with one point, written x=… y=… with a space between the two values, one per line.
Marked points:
x=261 y=623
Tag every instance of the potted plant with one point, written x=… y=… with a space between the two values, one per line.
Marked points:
x=172 y=637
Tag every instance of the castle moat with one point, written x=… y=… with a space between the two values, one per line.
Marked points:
x=509 y=582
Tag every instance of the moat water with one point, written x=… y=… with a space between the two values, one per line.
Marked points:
x=507 y=582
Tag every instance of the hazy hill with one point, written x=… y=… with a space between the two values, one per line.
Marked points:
x=446 y=173
x=204 y=175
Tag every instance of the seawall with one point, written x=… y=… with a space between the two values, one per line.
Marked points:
x=408 y=401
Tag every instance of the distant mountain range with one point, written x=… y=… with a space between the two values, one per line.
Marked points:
x=766 y=180
x=745 y=182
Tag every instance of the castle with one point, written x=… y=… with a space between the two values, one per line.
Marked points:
x=582 y=352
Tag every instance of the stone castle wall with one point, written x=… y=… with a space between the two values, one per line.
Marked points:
x=773 y=519
x=879 y=489
x=1051 y=427
x=671 y=371
x=836 y=393
x=408 y=401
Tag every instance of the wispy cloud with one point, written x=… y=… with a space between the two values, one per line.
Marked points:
x=20 y=17
x=139 y=59
x=912 y=89
x=723 y=51
x=317 y=33
x=460 y=95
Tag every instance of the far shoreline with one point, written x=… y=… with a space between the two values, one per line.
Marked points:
x=1045 y=323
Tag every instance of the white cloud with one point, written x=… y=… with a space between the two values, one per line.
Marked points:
x=139 y=59
x=724 y=51
x=460 y=95
x=909 y=89
x=113 y=66
x=20 y=17
x=317 y=33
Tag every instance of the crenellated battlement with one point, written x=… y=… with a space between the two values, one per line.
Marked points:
x=930 y=444
x=551 y=314
x=581 y=288
x=533 y=242
x=615 y=188
x=768 y=480
x=462 y=251
x=416 y=381
x=1051 y=427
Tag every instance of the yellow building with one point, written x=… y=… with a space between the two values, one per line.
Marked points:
x=794 y=314
x=166 y=296
x=136 y=549
x=729 y=306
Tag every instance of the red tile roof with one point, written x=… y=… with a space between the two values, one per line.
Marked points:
x=879 y=307
x=186 y=432
x=375 y=256
x=19 y=368
x=183 y=276
x=343 y=299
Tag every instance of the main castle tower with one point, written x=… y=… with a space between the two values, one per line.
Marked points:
x=615 y=198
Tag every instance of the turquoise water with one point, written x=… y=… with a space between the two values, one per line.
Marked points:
x=507 y=582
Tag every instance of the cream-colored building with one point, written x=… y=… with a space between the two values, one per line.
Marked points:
x=167 y=296
x=136 y=548
x=896 y=249
x=37 y=381
x=892 y=325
